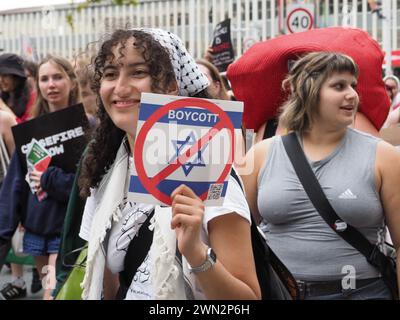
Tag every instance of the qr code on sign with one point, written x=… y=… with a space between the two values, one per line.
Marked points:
x=215 y=191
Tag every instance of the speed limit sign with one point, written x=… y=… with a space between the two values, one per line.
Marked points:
x=299 y=18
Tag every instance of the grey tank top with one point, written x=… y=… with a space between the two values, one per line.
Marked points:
x=296 y=232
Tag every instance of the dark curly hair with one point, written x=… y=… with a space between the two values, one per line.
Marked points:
x=107 y=138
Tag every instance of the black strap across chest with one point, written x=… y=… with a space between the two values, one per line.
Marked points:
x=318 y=198
x=138 y=249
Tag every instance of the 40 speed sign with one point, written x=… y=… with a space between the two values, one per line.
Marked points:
x=299 y=18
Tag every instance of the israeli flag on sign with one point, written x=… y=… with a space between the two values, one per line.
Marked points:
x=181 y=140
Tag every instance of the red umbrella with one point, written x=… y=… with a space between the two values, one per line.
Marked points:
x=256 y=77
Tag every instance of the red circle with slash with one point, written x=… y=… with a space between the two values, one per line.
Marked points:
x=150 y=183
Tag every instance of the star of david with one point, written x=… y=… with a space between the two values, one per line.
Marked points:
x=189 y=142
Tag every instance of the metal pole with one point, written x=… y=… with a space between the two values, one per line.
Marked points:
x=386 y=35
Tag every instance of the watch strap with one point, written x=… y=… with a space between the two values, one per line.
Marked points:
x=211 y=259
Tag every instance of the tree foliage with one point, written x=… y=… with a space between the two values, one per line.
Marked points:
x=87 y=3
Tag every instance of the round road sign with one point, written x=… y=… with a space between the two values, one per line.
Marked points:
x=299 y=20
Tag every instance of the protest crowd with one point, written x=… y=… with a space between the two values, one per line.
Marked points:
x=316 y=185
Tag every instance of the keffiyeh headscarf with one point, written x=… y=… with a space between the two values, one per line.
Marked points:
x=188 y=76
x=167 y=275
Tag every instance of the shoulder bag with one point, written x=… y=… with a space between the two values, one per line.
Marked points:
x=71 y=289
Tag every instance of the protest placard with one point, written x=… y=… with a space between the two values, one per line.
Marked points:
x=183 y=140
x=222 y=48
x=37 y=158
x=61 y=133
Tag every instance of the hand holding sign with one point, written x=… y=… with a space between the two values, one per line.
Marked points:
x=183 y=141
x=37 y=161
x=35 y=177
x=187 y=218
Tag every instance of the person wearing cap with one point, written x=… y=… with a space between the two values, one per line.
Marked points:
x=17 y=99
x=184 y=251
x=16 y=95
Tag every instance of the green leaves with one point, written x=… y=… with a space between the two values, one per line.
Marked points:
x=87 y=3
x=70 y=20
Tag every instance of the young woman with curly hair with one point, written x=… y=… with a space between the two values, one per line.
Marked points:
x=129 y=63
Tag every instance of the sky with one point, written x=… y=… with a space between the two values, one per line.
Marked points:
x=7 y=5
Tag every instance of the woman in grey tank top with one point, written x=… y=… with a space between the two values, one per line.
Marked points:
x=359 y=174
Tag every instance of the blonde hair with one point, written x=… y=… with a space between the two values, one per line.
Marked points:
x=215 y=76
x=84 y=72
x=42 y=106
x=304 y=82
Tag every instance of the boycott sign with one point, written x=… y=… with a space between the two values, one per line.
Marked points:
x=187 y=141
x=61 y=133
x=223 y=54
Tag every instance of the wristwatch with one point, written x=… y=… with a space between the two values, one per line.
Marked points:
x=211 y=259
